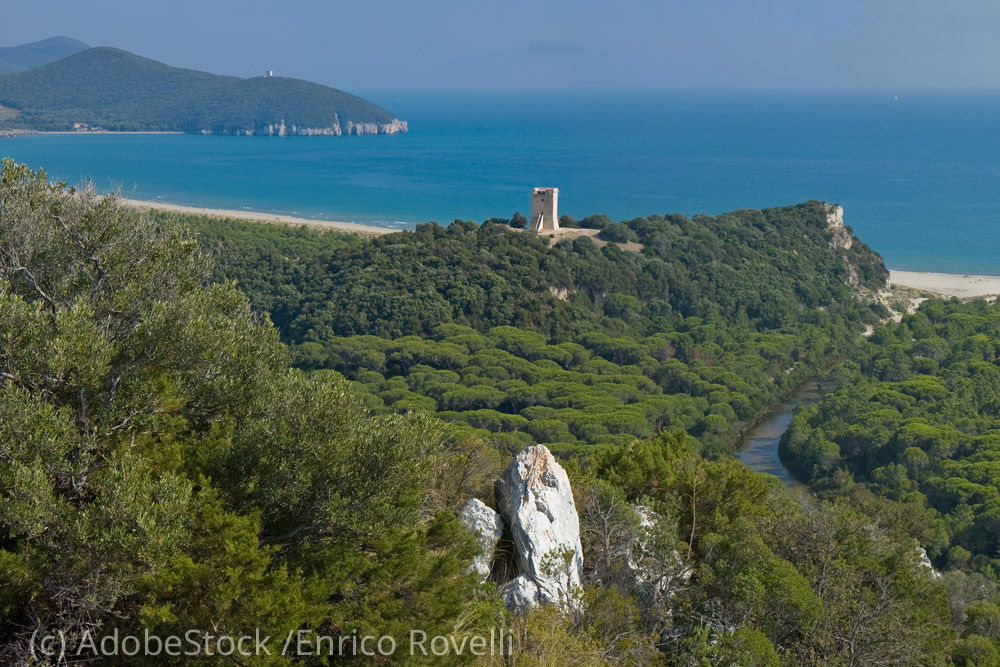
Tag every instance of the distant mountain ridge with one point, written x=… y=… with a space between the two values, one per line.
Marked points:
x=116 y=90
x=36 y=54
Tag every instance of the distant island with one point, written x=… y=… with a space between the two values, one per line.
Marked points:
x=107 y=89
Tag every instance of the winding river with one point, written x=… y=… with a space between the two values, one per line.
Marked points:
x=758 y=449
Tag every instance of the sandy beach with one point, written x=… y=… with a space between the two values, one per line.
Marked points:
x=353 y=227
x=947 y=284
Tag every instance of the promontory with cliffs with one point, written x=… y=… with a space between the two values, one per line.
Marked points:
x=63 y=85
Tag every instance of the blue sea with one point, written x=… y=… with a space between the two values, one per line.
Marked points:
x=918 y=176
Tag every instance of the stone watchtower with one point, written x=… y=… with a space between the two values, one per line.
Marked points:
x=545 y=209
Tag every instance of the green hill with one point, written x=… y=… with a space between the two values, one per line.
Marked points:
x=119 y=91
x=36 y=54
x=571 y=345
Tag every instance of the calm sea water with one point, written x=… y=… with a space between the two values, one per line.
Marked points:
x=919 y=177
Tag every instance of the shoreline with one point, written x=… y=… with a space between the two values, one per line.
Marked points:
x=10 y=134
x=91 y=132
x=947 y=284
x=254 y=216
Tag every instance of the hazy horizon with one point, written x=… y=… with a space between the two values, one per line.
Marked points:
x=883 y=45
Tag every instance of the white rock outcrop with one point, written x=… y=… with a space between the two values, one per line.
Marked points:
x=536 y=501
x=834 y=216
x=392 y=127
x=561 y=293
x=519 y=594
x=835 y=223
x=926 y=564
x=479 y=517
x=282 y=130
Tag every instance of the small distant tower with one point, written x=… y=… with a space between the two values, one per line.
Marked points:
x=269 y=74
x=545 y=209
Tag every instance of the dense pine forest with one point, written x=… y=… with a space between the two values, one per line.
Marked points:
x=568 y=344
x=915 y=416
x=238 y=427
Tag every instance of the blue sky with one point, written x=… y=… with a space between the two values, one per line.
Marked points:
x=885 y=45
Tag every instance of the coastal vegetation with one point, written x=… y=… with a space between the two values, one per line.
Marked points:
x=914 y=416
x=118 y=91
x=568 y=344
x=153 y=449
x=164 y=466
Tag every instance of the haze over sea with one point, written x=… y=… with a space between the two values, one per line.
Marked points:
x=919 y=177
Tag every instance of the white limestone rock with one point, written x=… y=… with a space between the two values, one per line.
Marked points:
x=520 y=593
x=479 y=517
x=835 y=223
x=834 y=216
x=536 y=501
x=392 y=127
x=925 y=562
x=561 y=293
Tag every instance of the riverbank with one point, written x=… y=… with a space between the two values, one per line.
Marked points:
x=947 y=284
x=352 y=227
x=758 y=448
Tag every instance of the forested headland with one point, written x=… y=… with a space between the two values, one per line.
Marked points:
x=114 y=90
x=230 y=426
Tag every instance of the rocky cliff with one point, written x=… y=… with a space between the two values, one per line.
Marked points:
x=842 y=237
x=336 y=130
